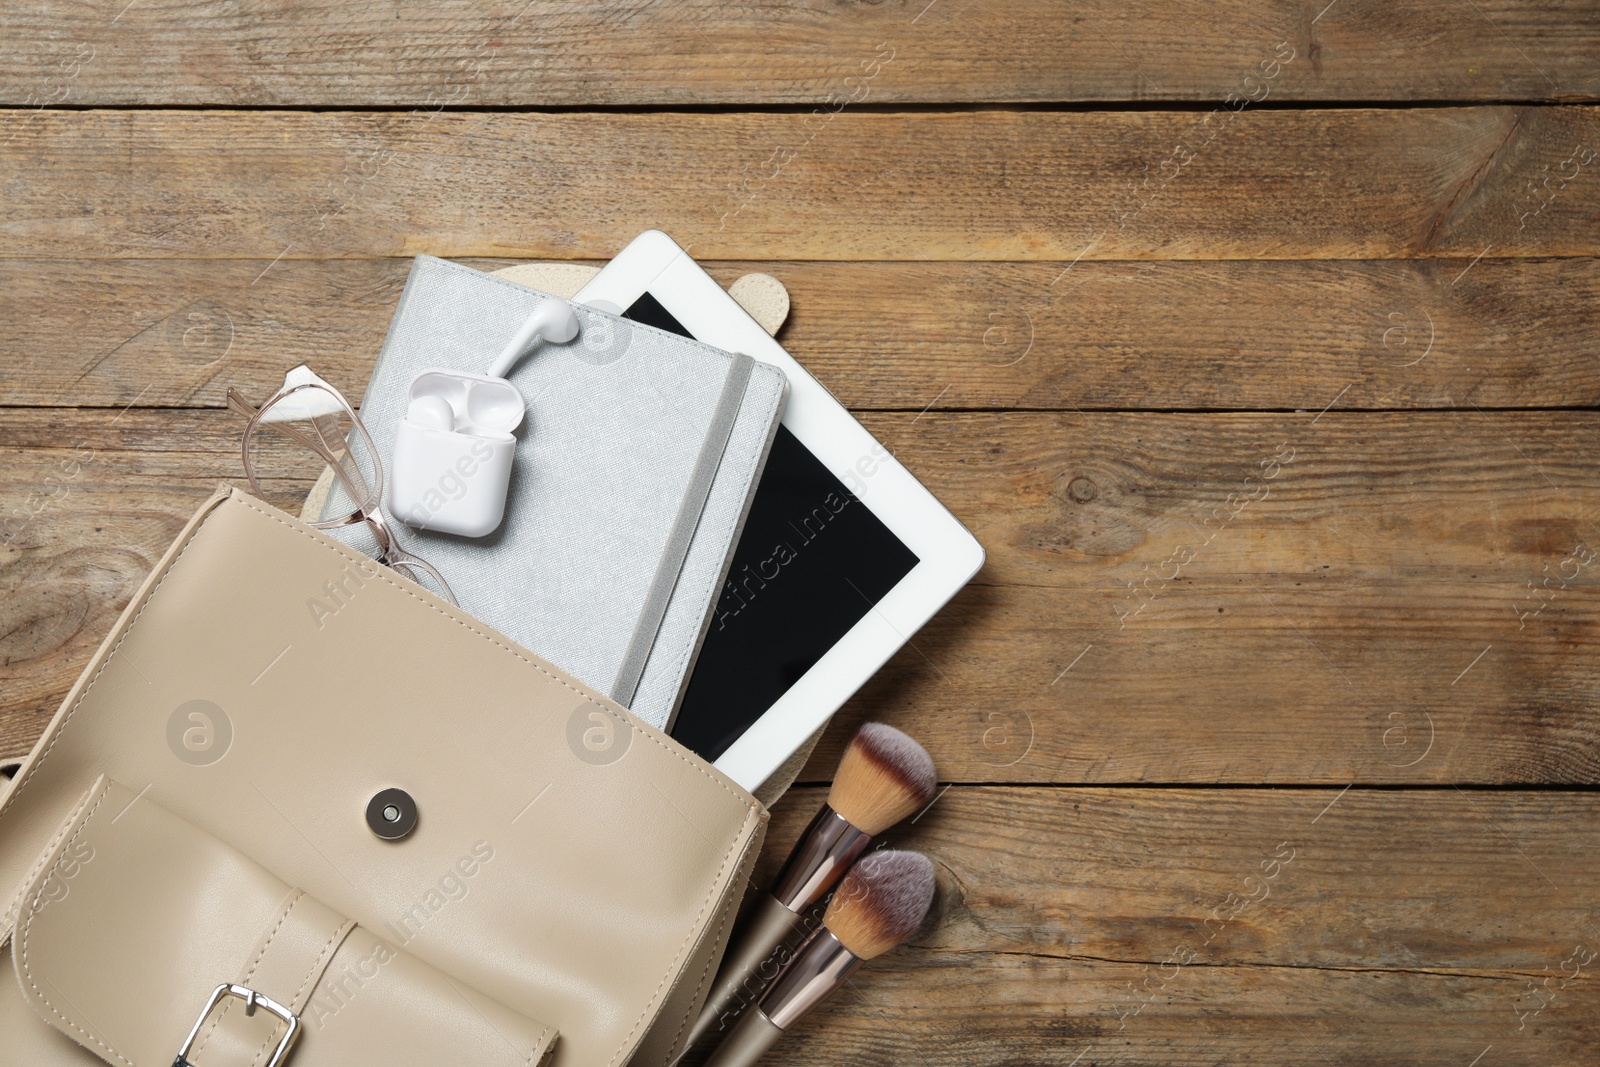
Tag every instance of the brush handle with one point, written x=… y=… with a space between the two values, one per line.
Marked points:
x=819 y=967
x=821 y=856
x=750 y=966
x=748 y=1042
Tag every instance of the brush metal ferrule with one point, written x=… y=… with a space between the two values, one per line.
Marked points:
x=826 y=850
x=821 y=966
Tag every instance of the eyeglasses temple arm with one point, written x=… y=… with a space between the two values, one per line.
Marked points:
x=337 y=459
x=243 y=407
x=336 y=450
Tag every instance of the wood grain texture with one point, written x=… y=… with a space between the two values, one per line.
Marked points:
x=589 y=53
x=1199 y=926
x=1407 y=597
x=1269 y=728
x=1115 y=335
x=977 y=185
x=1294 y=597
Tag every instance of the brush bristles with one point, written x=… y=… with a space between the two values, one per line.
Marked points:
x=881 y=902
x=884 y=776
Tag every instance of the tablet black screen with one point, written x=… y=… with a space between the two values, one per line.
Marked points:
x=811 y=563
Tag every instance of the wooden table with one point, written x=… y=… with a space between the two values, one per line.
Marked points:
x=1255 y=340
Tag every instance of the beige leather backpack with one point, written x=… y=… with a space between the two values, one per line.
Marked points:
x=381 y=835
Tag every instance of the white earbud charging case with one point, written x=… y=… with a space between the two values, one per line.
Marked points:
x=455 y=481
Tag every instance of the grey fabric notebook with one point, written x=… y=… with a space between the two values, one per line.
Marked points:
x=634 y=471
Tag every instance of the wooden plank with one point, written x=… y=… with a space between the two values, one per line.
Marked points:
x=1285 y=598
x=1409 y=597
x=583 y=53
x=1025 y=186
x=1164 y=336
x=1181 y=926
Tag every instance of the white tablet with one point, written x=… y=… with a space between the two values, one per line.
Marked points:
x=843 y=557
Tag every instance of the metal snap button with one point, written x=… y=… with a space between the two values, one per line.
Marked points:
x=391 y=814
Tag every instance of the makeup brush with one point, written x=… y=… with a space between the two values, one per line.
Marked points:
x=882 y=901
x=884 y=777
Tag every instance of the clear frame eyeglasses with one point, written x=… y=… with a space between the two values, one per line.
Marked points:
x=314 y=415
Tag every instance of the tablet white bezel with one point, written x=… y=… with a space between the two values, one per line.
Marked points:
x=949 y=555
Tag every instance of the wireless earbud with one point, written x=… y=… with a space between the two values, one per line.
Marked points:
x=434 y=412
x=552 y=320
